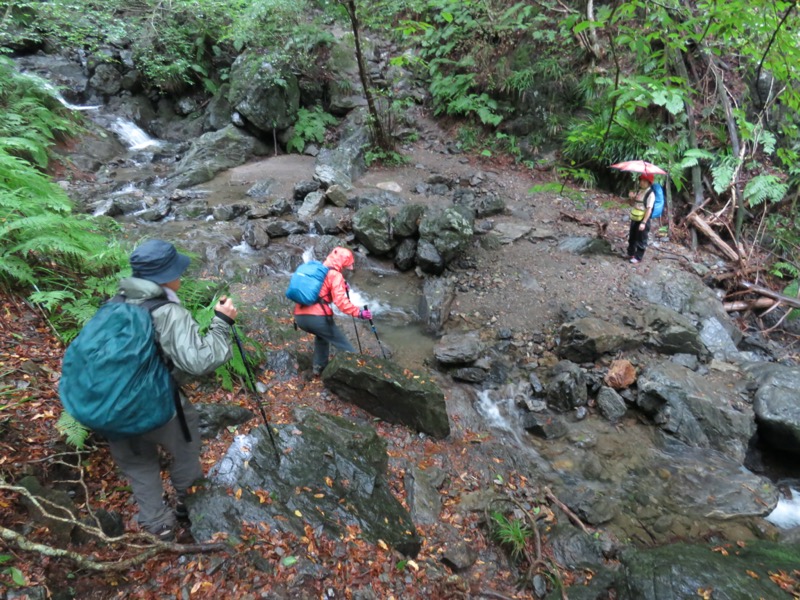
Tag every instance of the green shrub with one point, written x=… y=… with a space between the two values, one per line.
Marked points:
x=309 y=127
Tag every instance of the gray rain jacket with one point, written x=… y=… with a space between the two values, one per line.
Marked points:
x=179 y=335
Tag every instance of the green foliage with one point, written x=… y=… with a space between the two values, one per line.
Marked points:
x=764 y=187
x=42 y=243
x=68 y=23
x=511 y=533
x=200 y=297
x=309 y=127
x=389 y=158
x=75 y=433
x=176 y=43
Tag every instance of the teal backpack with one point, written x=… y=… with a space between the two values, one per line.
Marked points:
x=658 y=204
x=114 y=379
x=306 y=283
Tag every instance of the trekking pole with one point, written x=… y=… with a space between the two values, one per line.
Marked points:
x=375 y=331
x=360 y=351
x=252 y=382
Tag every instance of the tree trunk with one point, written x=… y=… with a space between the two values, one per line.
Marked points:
x=381 y=139
x=697 y=179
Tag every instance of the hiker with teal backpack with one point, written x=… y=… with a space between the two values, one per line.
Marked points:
x=313 y=287
x=121 y=377
x=649 y=205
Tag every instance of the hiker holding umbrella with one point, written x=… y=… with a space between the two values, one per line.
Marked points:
x=640 y=218
x=644 y=201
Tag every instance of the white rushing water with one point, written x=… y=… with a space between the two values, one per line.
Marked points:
x=787 y=514
x=53 y=91
x=132 y=135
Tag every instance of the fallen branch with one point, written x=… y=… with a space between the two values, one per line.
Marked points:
x=147 y=544
x=87 y=562
x=740 y=305
x=700 y=224
x=793 y=302
x=571 y=515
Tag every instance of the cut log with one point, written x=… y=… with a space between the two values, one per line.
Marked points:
x=741 y=305
x=698 y=222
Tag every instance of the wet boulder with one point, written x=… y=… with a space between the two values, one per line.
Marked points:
x=282 y=227
x=688 y=571
x=429 y=259
x=481 y=205
x=459 y=348
x=255 y=234
x=672 y=333
x=448 y=230
x=587 y=339
x=312 y=204
x=611 y=405
x=700 y=410
x=684 y=293
x=385 y=198
x=567 y=387
x=214 y=152
x=438 y=295
x=776 y=407
x=345 y=163
x=405 y=254
x=386 y=390
x=331 y=475
x=265 y=94
x=372 y=227
x=406 y=222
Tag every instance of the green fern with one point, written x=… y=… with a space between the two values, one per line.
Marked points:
x=75 y=433
x=722 y=173
x=764 y=187
x=309 y=127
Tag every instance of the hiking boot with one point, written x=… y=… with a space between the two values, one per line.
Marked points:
x=182 y=513
x=165 y=533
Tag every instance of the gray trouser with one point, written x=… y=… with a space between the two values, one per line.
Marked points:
x=325 y=333
x=138 y=459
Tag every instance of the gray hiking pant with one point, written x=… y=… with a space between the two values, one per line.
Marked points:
x=138 y=459
x=325 y=333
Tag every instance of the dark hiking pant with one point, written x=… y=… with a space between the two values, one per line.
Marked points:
x=637 y=240
x=325 y=333
x=138 y=459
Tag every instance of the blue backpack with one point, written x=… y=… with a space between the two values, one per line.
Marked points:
x=658 y=205
x=306 y=283
x=113 y=377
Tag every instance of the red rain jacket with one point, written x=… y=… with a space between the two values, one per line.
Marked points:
x=334 y=288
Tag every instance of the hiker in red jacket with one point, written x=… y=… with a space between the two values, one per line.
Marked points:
x=317 y=318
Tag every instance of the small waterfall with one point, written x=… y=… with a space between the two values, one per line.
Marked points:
x=132 y=135
x=787 y=514
x=501 y=413
x=53 y=91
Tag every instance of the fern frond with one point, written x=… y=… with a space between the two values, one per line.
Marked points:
x=14 y=269
x=722 y=173
x=51 y=300
x=75 y=433
x=764 y=187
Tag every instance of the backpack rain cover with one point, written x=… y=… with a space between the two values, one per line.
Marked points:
x=306 y=283
x=113 y=379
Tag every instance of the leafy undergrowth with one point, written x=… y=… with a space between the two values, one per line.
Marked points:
x=346 y=568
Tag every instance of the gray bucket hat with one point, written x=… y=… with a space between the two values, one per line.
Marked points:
x=158 y=261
